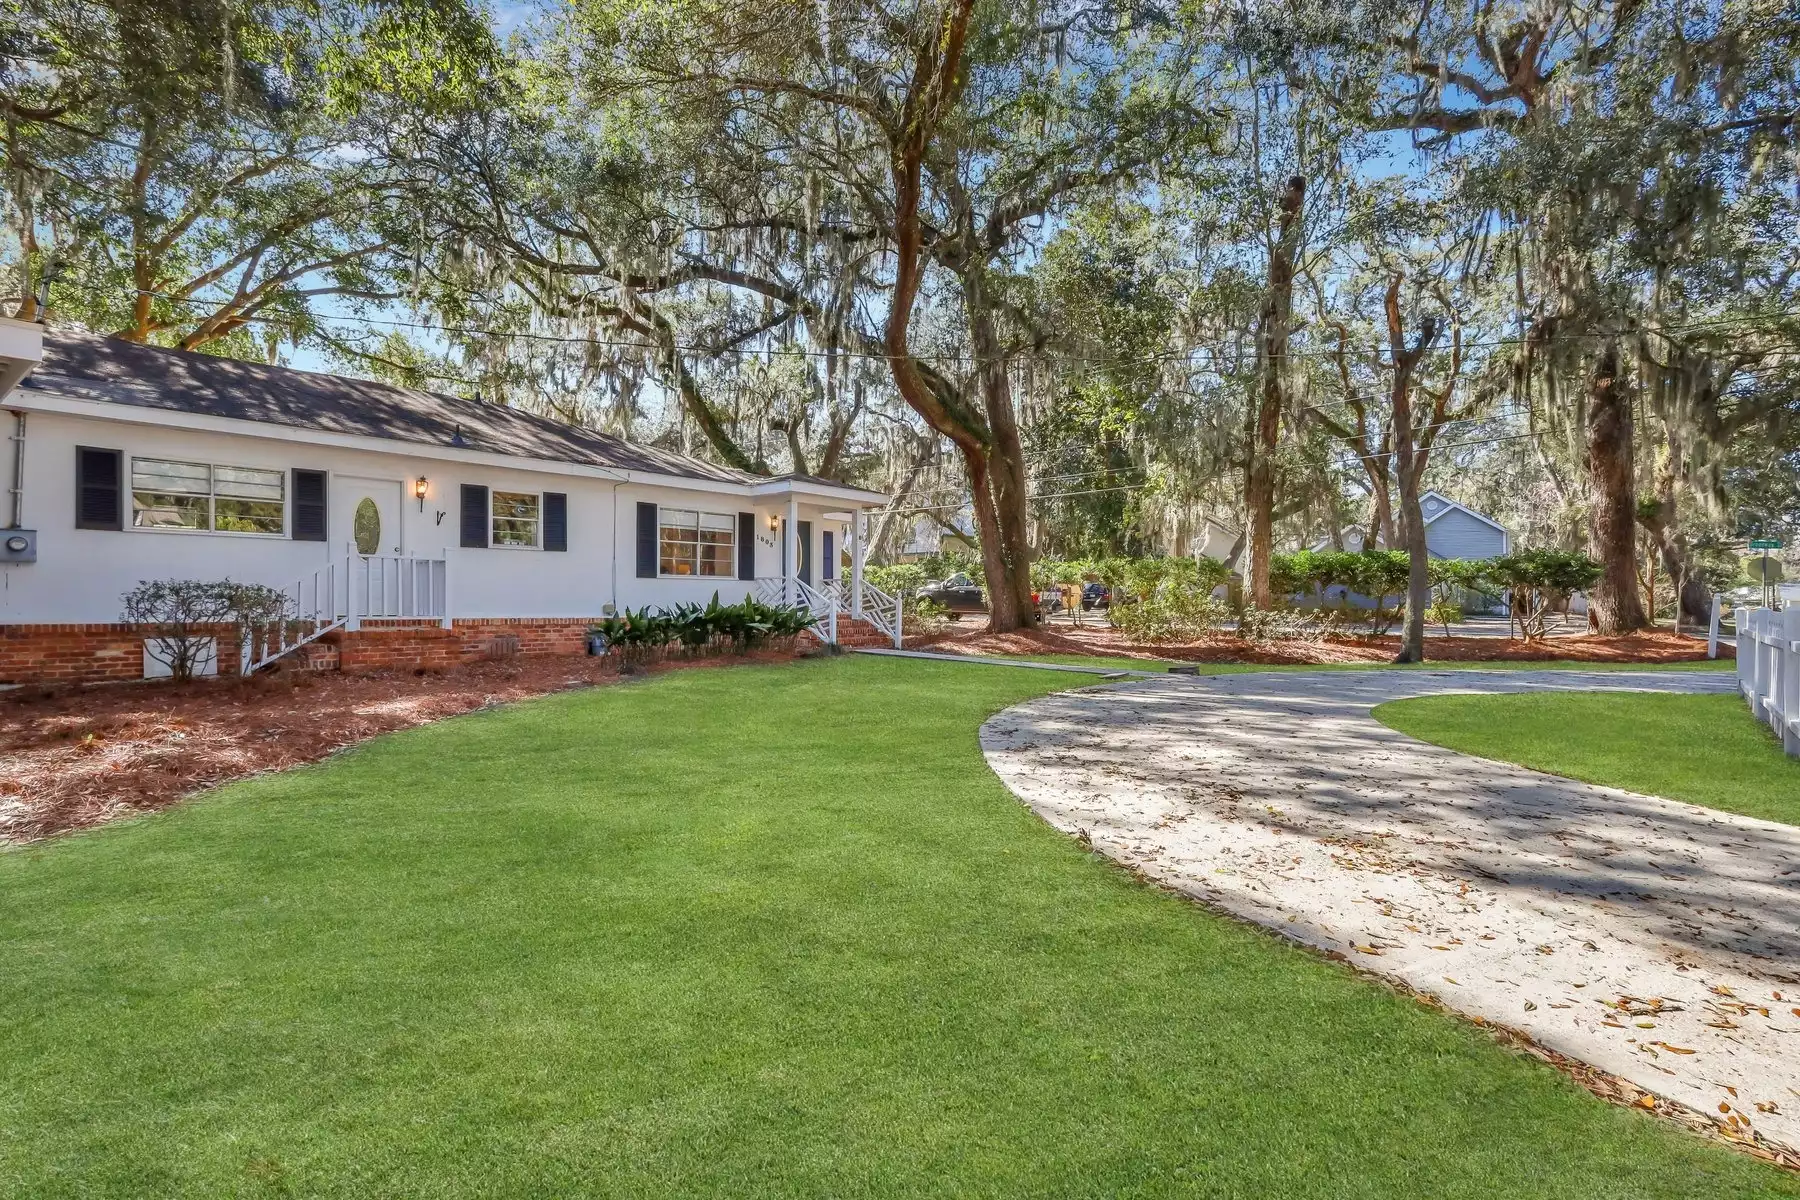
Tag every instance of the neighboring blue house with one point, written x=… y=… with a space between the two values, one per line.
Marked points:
x=1452 y=530
x=1455 y=530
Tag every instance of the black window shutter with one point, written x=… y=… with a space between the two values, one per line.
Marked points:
x=828 y=560
x=556 y=521
x=746 y=545
x=99 y=488
x=646 y=540
x=806 y=552
x=474 y=515
x=309 y=505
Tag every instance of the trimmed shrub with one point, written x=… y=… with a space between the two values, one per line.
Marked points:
x=1537 y=582
x=185 y=617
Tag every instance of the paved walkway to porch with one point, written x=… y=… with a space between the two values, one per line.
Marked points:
x=1657 y=941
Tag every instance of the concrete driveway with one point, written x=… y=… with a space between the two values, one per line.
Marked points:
x=1657 y=941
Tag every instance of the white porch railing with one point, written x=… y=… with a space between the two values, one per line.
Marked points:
x=396 y=587
x=823 y=601
x=1768 y=668
x=830 y=601
x=882 y=611
x=343 y=594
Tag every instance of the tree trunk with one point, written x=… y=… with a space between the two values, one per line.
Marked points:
x=987 y=435
x=1693 y=601
x=1009 y=591
x=1614 y=603
x=1381 y=516
x=1259 y=501
x=1418 y=575
x=1265 y=430
x=1409 y=471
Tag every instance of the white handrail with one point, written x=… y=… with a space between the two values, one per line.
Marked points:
x=829 y=599
x=341 y=595
x=823 y=603
x=883 y=612
x=396 y=587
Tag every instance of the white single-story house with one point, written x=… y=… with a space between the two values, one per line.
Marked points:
x=929 y=537
x=1215 y=541
x=416 y=526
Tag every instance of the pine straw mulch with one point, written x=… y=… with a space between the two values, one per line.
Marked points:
x=1652 y=646
x=74 y=757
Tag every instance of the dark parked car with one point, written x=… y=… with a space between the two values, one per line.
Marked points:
x=1095 y=595
x=960 y=594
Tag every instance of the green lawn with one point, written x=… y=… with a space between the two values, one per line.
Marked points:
x=1701 y=749
x=766 y=931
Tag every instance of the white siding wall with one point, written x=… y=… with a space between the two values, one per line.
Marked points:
x=80 y=574
x=1458 y=535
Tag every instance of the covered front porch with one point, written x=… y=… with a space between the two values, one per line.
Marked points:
x=816 y=535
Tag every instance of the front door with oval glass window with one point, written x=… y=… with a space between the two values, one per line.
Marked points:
x=365 y=515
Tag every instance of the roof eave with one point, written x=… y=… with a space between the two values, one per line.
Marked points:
x=53 y=400
x=782 y=486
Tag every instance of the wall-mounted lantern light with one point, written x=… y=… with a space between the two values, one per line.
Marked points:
x=774 y=523
x=420 y=487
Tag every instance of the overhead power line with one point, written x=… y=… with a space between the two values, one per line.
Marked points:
x=1190 y=355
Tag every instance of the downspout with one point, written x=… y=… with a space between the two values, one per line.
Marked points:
x=17 y=490
x=615 y=541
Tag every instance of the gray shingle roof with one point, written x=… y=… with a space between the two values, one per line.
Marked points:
x=122 y=372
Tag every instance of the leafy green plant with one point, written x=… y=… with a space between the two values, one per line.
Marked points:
x=183 y=616
x=898 y=579
x=1169 y=599
x=713 y=628
x=926 y=616
x=1444 y=613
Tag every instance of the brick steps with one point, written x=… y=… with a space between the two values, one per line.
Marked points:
x=860 y=635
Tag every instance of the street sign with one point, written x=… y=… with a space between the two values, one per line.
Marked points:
x=1764 y=544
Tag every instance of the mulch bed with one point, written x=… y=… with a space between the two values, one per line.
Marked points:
x=73 y=757
x=1655 y=646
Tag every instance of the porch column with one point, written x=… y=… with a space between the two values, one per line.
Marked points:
x=856 y=557
x=790 y=561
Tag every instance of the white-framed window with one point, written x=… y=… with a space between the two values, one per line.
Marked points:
x=697 y=543
x=207 y=497
x=517 y=518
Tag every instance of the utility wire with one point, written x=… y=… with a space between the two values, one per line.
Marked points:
x=957 y=357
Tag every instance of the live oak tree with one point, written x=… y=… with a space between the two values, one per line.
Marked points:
x=950 y=131
x=584 y=223
x=207 y=174
x=1596 y=127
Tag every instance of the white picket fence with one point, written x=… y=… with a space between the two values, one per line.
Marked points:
x=1768 y=668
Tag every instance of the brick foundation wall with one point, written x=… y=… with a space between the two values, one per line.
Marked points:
x=86 y=653
x=107 y=653
x=381 y=645
x=113 y=652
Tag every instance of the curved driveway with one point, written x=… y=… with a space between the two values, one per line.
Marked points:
x=1656 y=940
